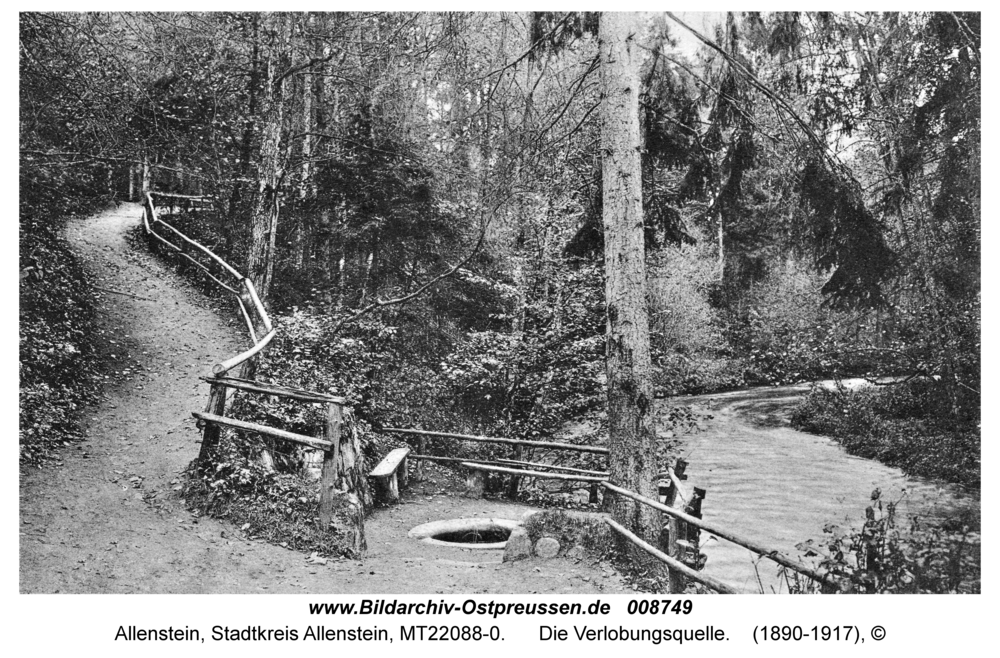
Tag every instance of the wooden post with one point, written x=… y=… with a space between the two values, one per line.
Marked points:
x=343 y=493
x=515 y=480
x=210 y=434
x=693 y=532
x=419 y=472
x=593 y=494
x=674 y=530
x=474 y=483
x=328 y=477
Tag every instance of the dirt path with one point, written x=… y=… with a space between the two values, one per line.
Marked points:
x=108 y=520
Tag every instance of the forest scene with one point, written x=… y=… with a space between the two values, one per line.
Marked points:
x=728 y=263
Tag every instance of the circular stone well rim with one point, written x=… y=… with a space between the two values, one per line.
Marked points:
x=426 y=532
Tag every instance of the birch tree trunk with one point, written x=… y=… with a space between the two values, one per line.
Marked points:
x=630 y=392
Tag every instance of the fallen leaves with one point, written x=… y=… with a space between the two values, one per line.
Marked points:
x=314 y=558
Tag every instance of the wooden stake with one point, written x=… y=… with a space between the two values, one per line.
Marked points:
x=419 y=472
x=515 y=480
x=210 y=433
x=328 y=477
x=673 y=528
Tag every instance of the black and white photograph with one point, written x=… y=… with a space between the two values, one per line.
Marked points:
x=538 y=303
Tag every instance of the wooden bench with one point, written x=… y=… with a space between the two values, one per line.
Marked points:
x=390 y=475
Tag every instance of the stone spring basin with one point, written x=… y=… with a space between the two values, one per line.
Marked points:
x=490 y=534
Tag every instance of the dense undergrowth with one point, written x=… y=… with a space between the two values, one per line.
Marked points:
x=894 y=555
x=281 y=508
x=58 y=366
x=902 y=425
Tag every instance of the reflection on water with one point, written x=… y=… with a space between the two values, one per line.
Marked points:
x=780 y=487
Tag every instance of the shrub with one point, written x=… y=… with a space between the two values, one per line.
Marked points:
x=689 y=350
x=886 y=556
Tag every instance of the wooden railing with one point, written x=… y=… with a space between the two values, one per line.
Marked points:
x=521 y=468
x=333 y=478
x=682 y=508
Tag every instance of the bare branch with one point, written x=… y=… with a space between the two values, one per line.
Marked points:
x=380 y=303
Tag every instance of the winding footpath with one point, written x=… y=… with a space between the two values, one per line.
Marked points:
x=108 y=520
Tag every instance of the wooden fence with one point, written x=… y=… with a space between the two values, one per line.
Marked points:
x=681 y=507
x=341 y=454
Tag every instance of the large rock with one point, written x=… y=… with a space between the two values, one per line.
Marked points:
x=547 y=548
x=518 y=545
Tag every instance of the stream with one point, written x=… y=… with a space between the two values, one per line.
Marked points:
x=768 y=482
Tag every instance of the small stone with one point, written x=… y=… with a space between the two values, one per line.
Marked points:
x=575 y=553
x=547 y=548
x=518 y=545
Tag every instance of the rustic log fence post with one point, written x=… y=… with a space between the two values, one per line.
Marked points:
x=674 y=529
x=210 y=434
x=515 y=480
x=344 y=493
x=418 y=473
x=328 y=477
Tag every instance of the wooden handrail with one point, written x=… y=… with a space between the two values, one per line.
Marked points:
x=274 y=389
x=248 y=284
x=533 y=474
x=499 y=462
x=208 y=252
x=226 y=366
x=438 y=458
x=489 y=439
x=310 y=441
x=190 y=197
x=567 y=469
x=708 y=581
x=246 y=316
x=770 y=553
x=196 y=263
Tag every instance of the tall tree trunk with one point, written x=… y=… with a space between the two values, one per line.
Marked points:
x=307 y=190
x=629 y=370
x=235 y=232
x=146 y=174
x=264 y=216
